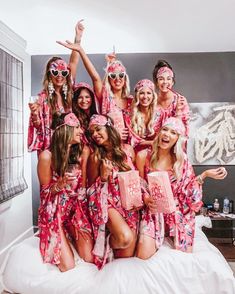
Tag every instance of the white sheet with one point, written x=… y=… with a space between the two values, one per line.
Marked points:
x=167 y=272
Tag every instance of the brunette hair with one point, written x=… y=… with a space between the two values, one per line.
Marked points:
x=161 y=63
x=119 y=157
x=62 y=155
x=67 y=101
x=80 y=113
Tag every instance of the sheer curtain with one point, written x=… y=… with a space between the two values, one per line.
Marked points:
x=12 y=180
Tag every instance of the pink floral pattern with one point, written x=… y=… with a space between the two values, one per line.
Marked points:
x=101 y=198
x=60 y=210
x=188 y=195
x=39 y=138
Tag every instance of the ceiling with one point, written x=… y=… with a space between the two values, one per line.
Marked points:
x=131 y=25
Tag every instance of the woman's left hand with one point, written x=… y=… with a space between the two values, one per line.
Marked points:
x=181 y=103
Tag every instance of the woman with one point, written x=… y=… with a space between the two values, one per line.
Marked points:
x=145 y=120
x=172 y=103
x=55 y=98
x=112 y=224
x=168 y=155
x=63 y=205
x=114 y=92
x=84 y=105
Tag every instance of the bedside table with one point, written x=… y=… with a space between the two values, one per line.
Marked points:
x=223 y=227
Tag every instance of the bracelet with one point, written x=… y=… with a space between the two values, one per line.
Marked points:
x=200 y=180
x=57 y=189
x=36 y=121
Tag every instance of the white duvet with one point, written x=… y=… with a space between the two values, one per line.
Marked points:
x=205 y=271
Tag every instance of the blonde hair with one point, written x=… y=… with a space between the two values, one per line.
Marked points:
x=138 y=124
x=67 y=101
x=177 y=153
x=126 y=87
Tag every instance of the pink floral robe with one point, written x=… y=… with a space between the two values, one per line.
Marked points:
x=171 y=111
x=61 y=210
x=103 y=196
x=187 y=194
x=108 y=105
x=39 y=137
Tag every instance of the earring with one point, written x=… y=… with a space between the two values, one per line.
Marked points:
x=51 y=89
x=65 y=90
x=175 y=149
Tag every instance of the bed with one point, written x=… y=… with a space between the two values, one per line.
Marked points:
x=205 y=271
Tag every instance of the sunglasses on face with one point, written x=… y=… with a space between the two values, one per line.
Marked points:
x=56 y=73
x=119 y=75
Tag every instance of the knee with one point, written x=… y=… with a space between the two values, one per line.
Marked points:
x=145 y=255
x=66 y=266
x=88 y=258
x=125 y=239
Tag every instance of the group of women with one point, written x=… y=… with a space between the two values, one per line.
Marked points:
x=84 y=136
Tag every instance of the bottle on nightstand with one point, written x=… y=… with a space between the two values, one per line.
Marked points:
x=216 y=205
x=226 y=206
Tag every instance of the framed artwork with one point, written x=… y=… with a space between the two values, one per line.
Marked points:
x=12 y=180
x=212 y=134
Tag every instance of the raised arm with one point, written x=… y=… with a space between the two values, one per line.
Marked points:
x=74 y=57
x=96 y=80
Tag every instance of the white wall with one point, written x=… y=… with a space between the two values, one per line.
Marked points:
x=16 y=214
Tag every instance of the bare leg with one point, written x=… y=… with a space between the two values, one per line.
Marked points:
x=122 y=237
x=67 y=258
x=84 y=245
x=146 y=247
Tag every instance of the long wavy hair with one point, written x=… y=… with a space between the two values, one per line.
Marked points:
x=137 y=121
x=67 y=103
x=177 y=153
x=80 y=113
x=126 y=87
x=62 y=155
x=119 y=157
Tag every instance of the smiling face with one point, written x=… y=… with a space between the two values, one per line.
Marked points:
x=58 y=71
x=145 y=97
x=84 y=100
x=167 y=138
x=165 y=81
x=77 y=134
x=117 y=80
x=99 y=134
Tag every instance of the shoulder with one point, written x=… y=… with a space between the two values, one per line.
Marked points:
x=45 y=156
x=86 y=151
x=142 y=155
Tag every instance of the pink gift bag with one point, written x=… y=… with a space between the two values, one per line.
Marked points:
x=118 y=120
x=130 y=190
x=160 y=190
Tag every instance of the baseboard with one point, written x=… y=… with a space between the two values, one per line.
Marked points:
x=28 y=233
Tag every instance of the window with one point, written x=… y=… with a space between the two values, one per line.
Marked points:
x=12 y=180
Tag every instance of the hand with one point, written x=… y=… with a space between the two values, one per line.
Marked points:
x=68 y=178
x=181 y=103
x=150 y=202
x=70 y=45
x=124 y=134
x=34 y=108
x=216 y=173
x=110 y=57
x=145 y=142
x=106 y=168
x=79 y=28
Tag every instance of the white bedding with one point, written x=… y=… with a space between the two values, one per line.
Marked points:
x=205 y=271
